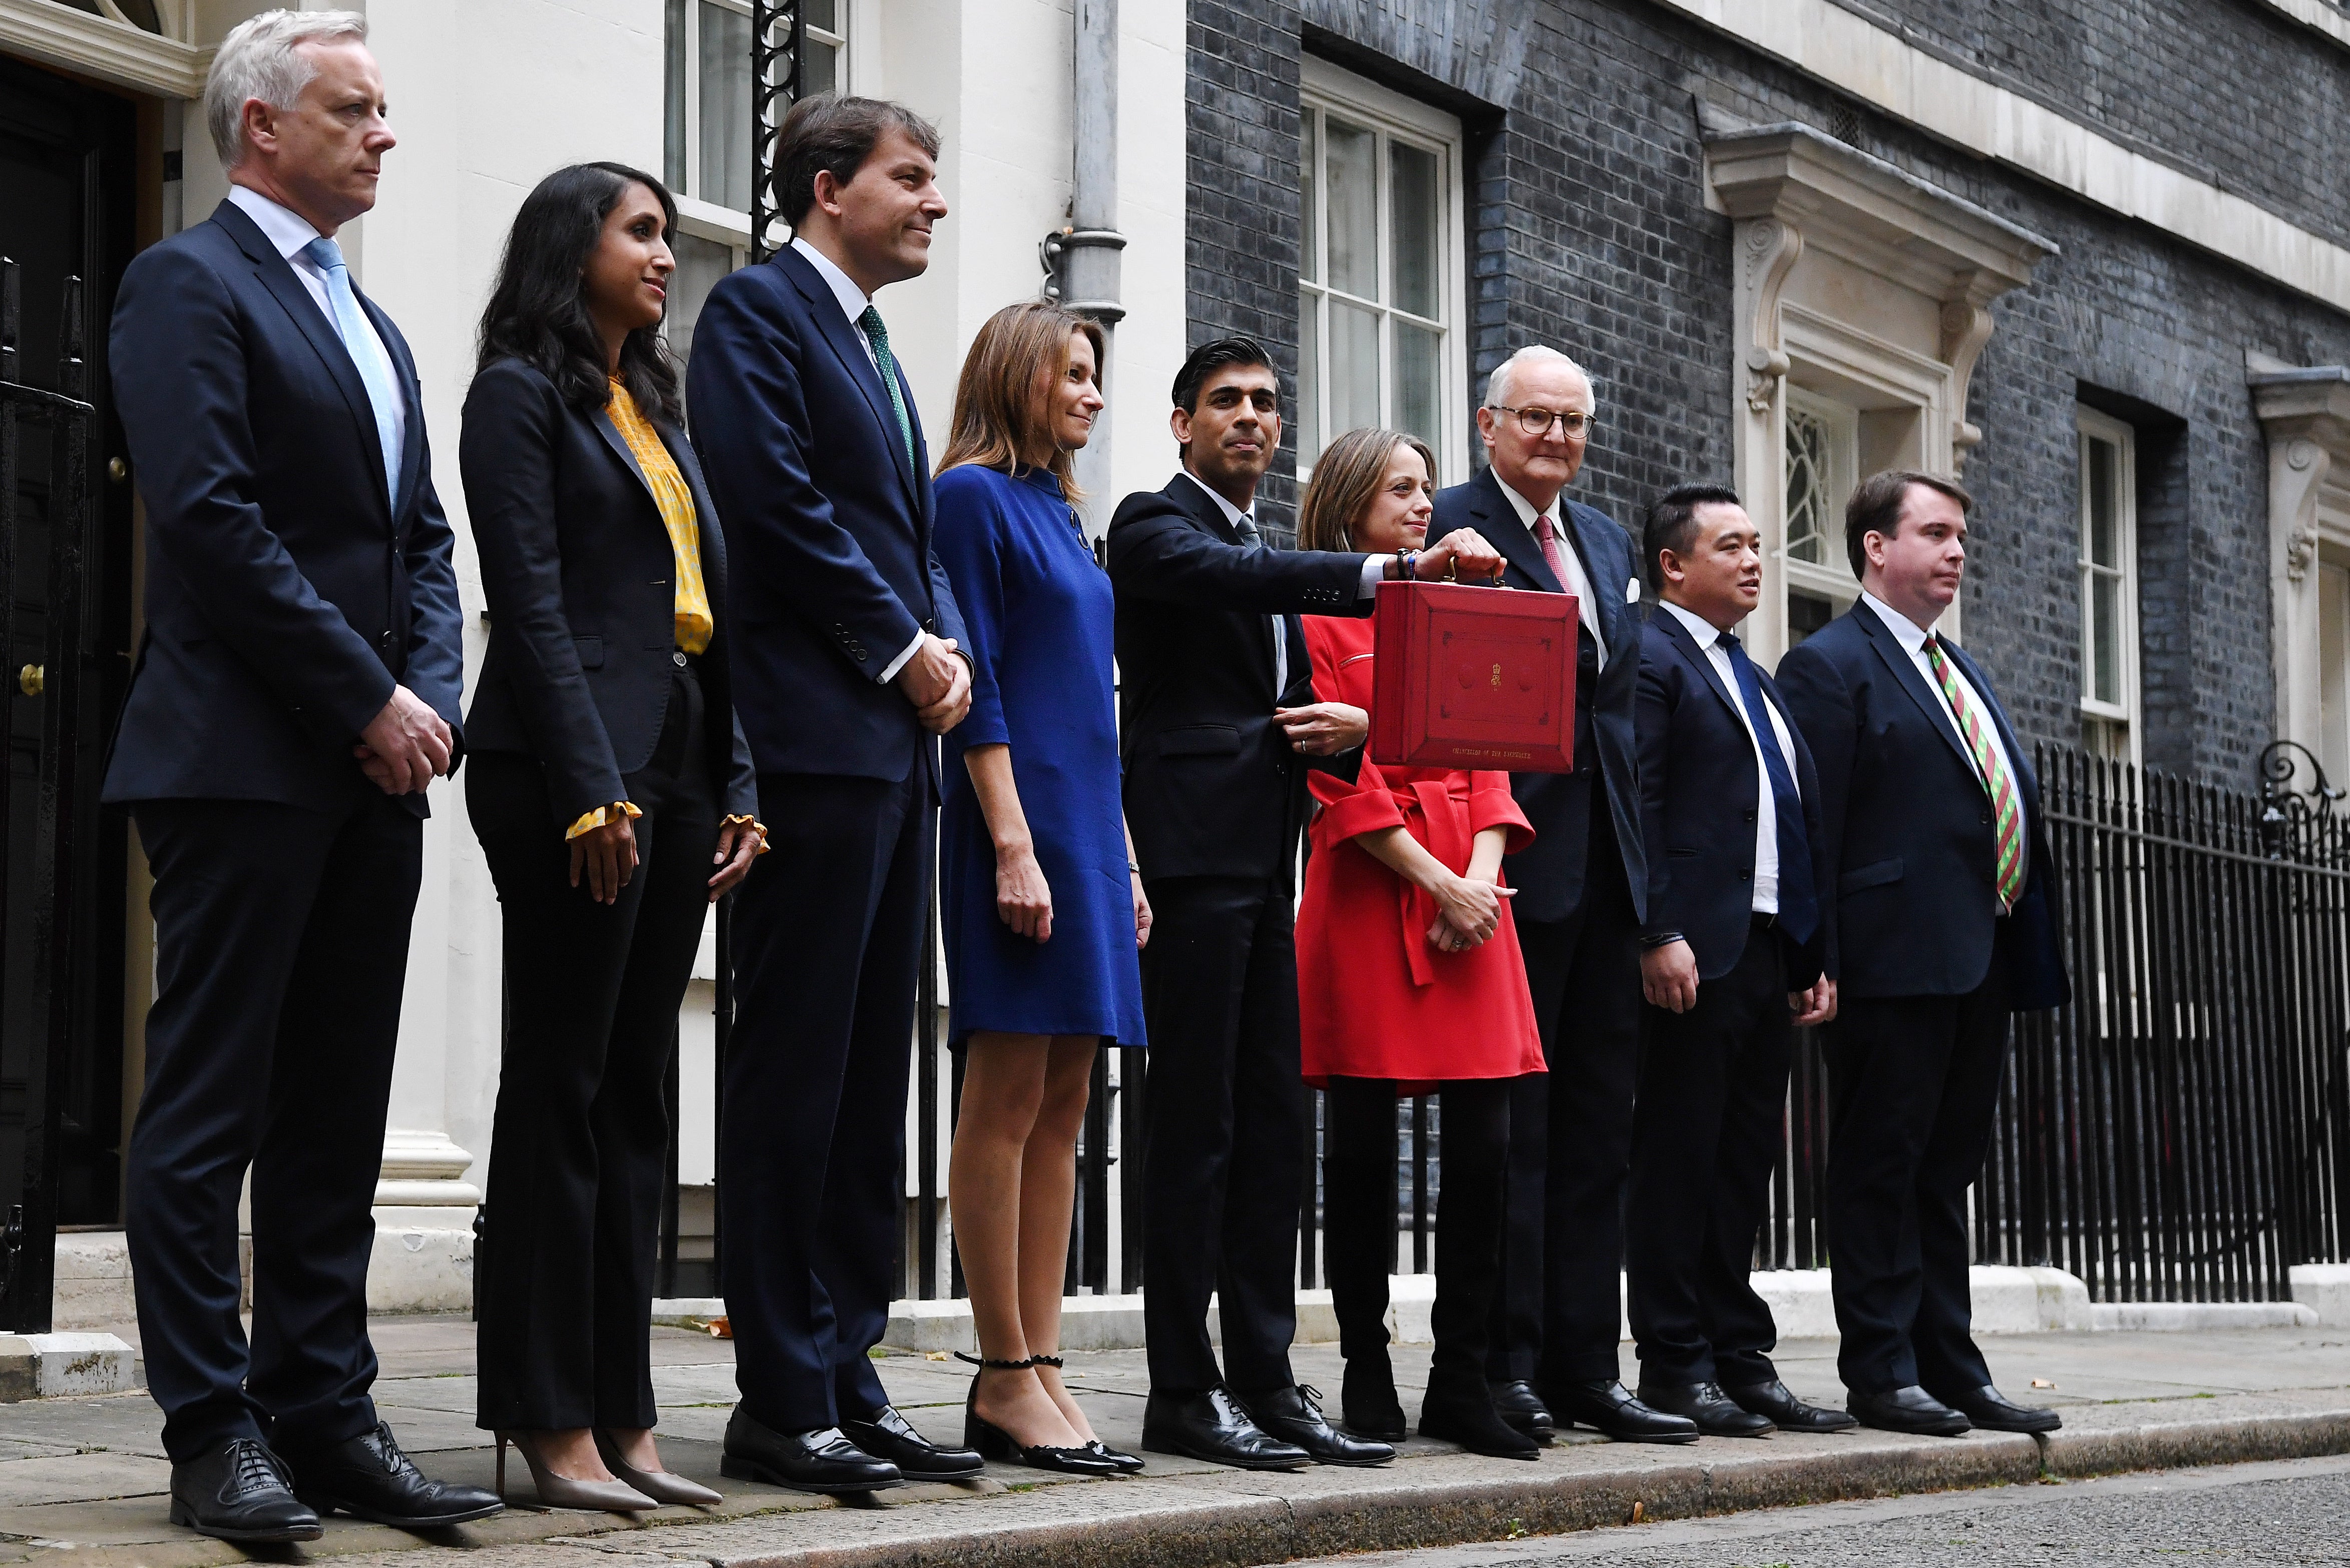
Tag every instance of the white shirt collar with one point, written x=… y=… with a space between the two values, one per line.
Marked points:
x=281 y=225
x=1907 y=632
x=1525 y=509
x=853 y=299
x=1232 y=515
x=1707 y=634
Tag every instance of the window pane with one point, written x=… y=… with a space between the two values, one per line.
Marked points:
x=1352 y=203
x=1808 y=484
x=1416 y=349
x=1412 y=201
x=1309 y=382
x=1354 y=385
x=674 y=68
x=2104 y=460
x=2104 y=630
x=820 y=72
x=1807 y=613
x=1309 y=265
x=700 y=264
x=824 y=14
x=725 y=108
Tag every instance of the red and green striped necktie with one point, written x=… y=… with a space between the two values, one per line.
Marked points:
x=2007 y=815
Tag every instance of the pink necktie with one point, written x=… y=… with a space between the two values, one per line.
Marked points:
x=1547 y=535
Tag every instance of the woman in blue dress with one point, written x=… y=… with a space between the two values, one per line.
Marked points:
x=1041 y=906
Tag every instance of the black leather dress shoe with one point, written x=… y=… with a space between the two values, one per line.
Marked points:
x=1517 y=1403
x=1909 y=1410
x=1777 y=1401
x=1606 y=1405
x=1292 y=1416
x=235 y=1491
x=1993 y=1411
x=823 y=1461
x=369 y=1477
x=1368 y=1399
x=1211 y=1426
x=886 y=1434
x=1463 y=1412
x=1717 y=1415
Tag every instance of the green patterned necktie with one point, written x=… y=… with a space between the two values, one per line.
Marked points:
x=879 y=335
x=2007 y=815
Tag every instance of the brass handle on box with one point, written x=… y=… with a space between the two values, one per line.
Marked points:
x=31 y=678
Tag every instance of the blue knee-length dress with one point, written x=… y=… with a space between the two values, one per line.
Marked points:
x=1040 y=620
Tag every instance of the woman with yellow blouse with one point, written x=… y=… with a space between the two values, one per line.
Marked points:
x=613 y=794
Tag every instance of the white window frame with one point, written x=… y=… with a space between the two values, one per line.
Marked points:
x=2091 y=425
x=1325 y=88
x=695 y=213
x=1830 y=579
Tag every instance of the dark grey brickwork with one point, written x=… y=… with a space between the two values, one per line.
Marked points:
x=1587 y=229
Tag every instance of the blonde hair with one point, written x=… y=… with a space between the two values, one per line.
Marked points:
x=1345 y=476
x=1003 y=399
x=262 y=58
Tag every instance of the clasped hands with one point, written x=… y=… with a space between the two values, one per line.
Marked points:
x=1468 y=913
x=936 y=682
x=404 y=747
x=1669 y=979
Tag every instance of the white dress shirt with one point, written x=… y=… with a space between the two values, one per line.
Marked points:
x=289 y=230
x=1374 y=569
x=1577 y=583
x=853 y=303
x=1766 y=812
x=1912 y=637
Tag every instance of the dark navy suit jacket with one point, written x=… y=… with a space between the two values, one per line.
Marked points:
x=286 y=592
x=828 y=524
x=580 y=577
x=1906 y=823
x=1701 y=792
x=1212 y=788
x=1548 y=875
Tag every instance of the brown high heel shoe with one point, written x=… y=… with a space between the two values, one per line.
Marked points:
x=561 y=1491
x=661 y=1486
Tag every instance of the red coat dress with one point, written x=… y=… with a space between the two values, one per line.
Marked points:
x=1375 y=998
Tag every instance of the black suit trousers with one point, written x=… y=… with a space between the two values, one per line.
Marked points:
x=1705 y=1133
x=1913 y=1083
x=1359 y=1204
x=827 y=940
x=1225 y=1118
x=281 y=950
x=1559 y=1314
x=564 y=1285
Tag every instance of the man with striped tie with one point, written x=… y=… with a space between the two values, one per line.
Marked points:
x=1945 y=922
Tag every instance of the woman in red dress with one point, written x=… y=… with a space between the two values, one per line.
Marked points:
x=1409 y=982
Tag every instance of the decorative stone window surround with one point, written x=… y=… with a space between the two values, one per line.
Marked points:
x=2305 y=414
x=112 y=50
x=1862 y=282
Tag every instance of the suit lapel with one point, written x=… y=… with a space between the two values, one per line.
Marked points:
x=411 y=398
x=610 y=431
x=1502 y=529
x=1193 y=497
x=1611 y=608
x=847 y=345
x=1905 y=669
x=1686 y=641
x=276 y=274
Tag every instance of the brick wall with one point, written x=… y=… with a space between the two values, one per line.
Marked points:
x=1587 y=229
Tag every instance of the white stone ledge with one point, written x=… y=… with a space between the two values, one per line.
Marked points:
x=2324 y=1289
x=65 y=1365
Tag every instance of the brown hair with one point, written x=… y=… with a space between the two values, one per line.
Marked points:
x=1345 y=476
x=829 y=132
x=1876 y=508
x=1002 y=405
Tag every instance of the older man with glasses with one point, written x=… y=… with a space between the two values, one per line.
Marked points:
x=1581 y=888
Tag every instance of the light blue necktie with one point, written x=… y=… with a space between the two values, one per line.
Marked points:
x=365 y=355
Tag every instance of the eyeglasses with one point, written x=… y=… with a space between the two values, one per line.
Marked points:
x=1573 y=423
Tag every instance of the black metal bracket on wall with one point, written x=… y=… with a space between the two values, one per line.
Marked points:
x=778 y=44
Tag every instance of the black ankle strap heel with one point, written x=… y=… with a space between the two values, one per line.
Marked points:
x=1006 y=1365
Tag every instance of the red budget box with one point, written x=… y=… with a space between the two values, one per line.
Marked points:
x=1474 y=678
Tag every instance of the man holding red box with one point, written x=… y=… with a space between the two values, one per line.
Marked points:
x=1582 y=891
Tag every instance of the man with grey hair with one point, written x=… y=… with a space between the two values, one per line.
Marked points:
x=297 y=691
x=1582 y=888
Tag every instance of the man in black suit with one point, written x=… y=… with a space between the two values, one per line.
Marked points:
x=1582 y=886
x=296 y=690
x=1219 y=727
x=1733 y=955
x=845 y=648
x=1945 y=922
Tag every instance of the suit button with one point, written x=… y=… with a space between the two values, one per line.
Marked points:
x=678 y=659
x=1749 y=816
x=1986 y=816
x=1743 y=873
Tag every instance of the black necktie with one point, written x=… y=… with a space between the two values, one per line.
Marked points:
x=1799 y=904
